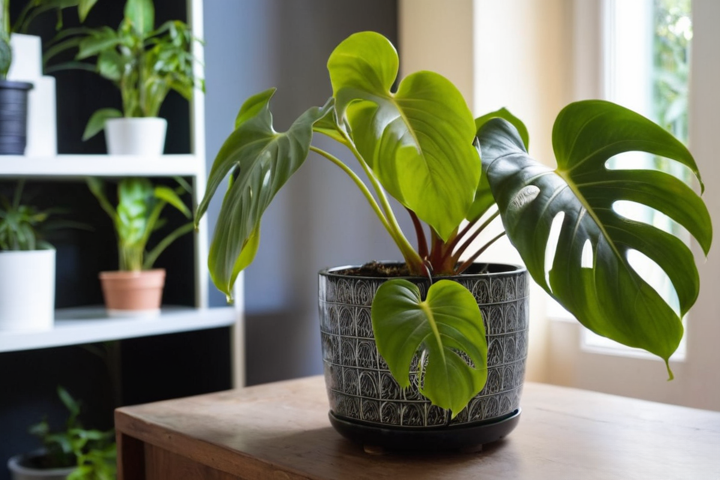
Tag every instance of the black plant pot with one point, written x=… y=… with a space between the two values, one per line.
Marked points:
x=13 y=116
x=369 y=407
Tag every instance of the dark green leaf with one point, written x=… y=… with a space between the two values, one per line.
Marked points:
x=265 y=160
x=97 y=122
x=448 y=321
x=418 y=140
x=609 y=298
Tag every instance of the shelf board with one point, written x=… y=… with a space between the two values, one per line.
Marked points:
x=77 y=166
x=76 y=326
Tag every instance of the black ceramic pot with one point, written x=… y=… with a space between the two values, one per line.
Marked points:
x=368 y=406
x=13 y=116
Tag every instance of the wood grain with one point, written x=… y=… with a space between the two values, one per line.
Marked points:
x=281 y=430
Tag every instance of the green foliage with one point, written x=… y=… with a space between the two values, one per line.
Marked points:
x=418 y=144
x=35 y=8
x=143 y=62
x=19 y=224
x=137 y=216
x=446 y=322
x=608 y=296
x=93 y=452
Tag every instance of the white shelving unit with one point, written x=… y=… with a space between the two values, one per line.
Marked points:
x=90 y=324
x=75 y=326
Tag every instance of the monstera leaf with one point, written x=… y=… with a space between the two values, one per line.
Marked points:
x=418 y=140
x=609 y=296
x=446 y=322
x=263 y=160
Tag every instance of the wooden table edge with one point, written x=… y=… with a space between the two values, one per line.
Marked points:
x=132 y=433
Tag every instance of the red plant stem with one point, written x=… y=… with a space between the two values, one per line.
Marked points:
x=436 y=253
x=422 y=241
x=451 y=246
x=472 y=237
x=466 y=264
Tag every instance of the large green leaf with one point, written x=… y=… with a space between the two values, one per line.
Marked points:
x=263 y=160
x=610 y=297
x=418 y=140
x=483 y=194
x=446 y=322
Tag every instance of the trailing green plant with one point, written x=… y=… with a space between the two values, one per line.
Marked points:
x=137 y=216
x=145 y=63
x=92 y=452
x=420 y=144
x=5 y=49
x=20 y=225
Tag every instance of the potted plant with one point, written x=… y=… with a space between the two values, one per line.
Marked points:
x=34 y=130
x=136 y=288
x=27 y=263
x=13 y=95
x=73 y=453
x=145 y=64
x=430 y=353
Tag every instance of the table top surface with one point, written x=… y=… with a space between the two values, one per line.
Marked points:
x=281 y=430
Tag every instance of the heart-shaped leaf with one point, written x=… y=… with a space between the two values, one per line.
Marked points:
x=609 y=298
x=446 y=322
x=263 y=160
x=418 y=140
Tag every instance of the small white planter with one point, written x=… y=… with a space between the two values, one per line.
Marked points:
x=27 y=290
x=136 y=136
x=21 y=472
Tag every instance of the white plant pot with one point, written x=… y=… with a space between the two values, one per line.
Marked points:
x=27 y=290
x=136 y=136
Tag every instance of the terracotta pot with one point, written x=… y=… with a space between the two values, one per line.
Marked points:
x=133 y=294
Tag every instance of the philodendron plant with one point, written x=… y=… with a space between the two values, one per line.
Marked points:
x=421 y=145
x=137 y=217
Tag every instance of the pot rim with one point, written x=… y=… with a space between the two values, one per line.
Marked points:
x=14 y=465
x=134 y=119
x=131 y=273
x=46 y=251
x=16 y=85
x=332 y=272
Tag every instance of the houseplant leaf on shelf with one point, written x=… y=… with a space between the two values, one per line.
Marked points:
x=73 y=453
x=136 y=288
x=145 y=63
x=27 y=263
x=435 y=359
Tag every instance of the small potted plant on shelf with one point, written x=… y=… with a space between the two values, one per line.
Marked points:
x=73 y=453
x=145 y=64
x=430 y=353
x=136 y=289
x=27 y=267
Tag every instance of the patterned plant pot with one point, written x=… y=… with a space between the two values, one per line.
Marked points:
x=367 y=405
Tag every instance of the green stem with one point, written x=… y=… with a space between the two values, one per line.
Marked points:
x=414 y=261
x=407 y=251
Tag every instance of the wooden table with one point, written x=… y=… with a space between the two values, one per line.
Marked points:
x=281 y=431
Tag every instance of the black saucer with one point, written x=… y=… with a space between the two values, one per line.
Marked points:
x=467 y=437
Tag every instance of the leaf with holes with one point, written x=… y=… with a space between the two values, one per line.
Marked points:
x=263 y=160
x=417 y=140
x=446 y=322
x=610 y=298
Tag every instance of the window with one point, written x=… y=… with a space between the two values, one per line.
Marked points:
x=646 y=50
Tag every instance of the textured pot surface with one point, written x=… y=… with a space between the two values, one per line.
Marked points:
x=133 y=293
x=27 y=290
x=359 y=383
x=136 y=136
x=21 y=472
x=13 y=117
